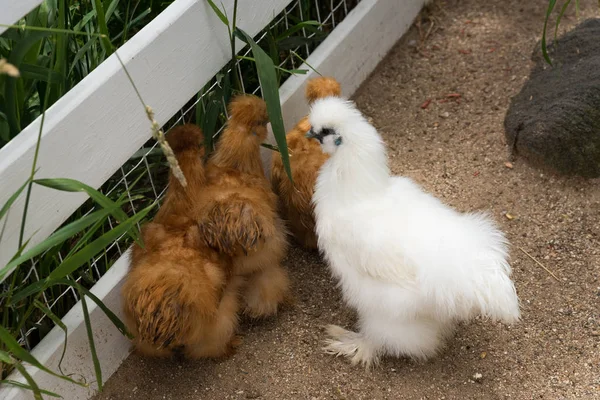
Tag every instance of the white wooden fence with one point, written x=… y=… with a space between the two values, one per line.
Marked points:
x=96 y=127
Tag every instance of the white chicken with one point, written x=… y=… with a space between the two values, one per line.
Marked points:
x=410 y=265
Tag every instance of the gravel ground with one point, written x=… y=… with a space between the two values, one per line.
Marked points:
x=455 y=148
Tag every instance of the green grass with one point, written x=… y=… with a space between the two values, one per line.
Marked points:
x=561 y=12
x=51 y=62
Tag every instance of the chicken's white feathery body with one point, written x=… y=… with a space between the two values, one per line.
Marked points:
x=410 y=265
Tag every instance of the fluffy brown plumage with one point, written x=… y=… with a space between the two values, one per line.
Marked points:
x=238 y=211
x=306 y=160
x=180 y=295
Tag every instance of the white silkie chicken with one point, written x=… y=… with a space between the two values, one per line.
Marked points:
x=410 y=265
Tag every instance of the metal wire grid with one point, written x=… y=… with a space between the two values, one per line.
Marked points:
x=148 y=161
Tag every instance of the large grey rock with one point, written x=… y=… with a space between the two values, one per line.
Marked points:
x=555 y=119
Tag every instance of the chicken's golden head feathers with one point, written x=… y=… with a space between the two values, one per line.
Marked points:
x=248 y=110
x=320 y=87
x=248 y=114
x=185 y=137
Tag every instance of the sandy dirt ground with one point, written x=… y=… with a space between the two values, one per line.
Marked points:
x=455 y=148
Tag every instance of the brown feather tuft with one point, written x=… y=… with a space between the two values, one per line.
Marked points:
x=185 y=137
x=248 y=110
x=318 y=88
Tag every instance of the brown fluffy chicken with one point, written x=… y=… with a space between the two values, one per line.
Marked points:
x=306 y=158
x=180 y=295
x=238 y=210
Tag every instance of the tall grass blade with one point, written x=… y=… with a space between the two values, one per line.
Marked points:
x=298 y=27
x=24 y=45
x=111 y=9
x=551 y=5
x=12 y=199
x=86 y=237
x=104 y=39
x=49 y=31
x=11 y=98
x=209 y=122
x=58 y=322
x=289 y=71
x=101 y=222
x=270 y=147
x=112 y=316
x=34 y=165
x=21 y=354
x=69 y=265
x=34 y=288
x=131 y=24
x=4 y=129
x=270 y=90
x=293 y=42
x=305 y=62
x=84 y=21
x=37 y=393
x=56 y=238
x=71 y=185
x=218 y=12
x=231 y=30
x=91 y=342
x=37 y=72
x=560 y=15
x=227 y=88
x=60 y=55
x=39 y=286
x=29 y=387
x=17 y=255
x=274 y=52
x=81 y=53
x=5 y=358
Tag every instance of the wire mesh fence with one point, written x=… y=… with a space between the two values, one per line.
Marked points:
x=142 y=179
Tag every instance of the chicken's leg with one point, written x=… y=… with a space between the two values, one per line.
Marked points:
x=267 y=288
x=417 y=338
x=352 y=345
x=220 y=340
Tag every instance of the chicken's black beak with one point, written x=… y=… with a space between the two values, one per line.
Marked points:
x=311 y=134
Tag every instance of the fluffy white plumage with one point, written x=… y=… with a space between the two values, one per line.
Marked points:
x=410 y=265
